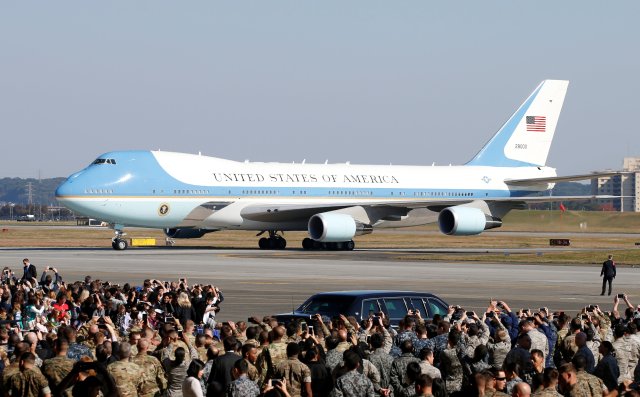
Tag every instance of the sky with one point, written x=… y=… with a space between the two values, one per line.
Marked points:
x=373 y=82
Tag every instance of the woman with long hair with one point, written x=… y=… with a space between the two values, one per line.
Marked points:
x=191 y=386
x=184 y=310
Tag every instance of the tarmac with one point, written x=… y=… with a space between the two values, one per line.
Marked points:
x=256 y=282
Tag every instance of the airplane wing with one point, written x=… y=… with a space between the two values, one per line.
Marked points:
x=296 y=212
x=555 y=179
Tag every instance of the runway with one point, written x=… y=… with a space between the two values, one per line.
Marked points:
x=258 y=282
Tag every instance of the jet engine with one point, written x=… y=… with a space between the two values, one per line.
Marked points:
x=465 y=221
x=333 y=227
x=185 y=233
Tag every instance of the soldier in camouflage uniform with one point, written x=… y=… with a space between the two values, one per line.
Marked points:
x=75 y=350
x=28 y=381
x=14 y=367
x=399 y=366
x=128 y=376
x=407 y=332
x=383 y=362
x=56 y=368
x=353 y=383
x=491 y=382
x=571 y=386
x=550 y=383
x=426 y=364
x=296 y=374
x=451 y=364
x=273 y=354
x=242 y=386
x=154 y=378
x=596 y=385
x=250 y=355
x=251 y=334
x=623 y=353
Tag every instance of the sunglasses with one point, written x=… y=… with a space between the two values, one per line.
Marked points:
x=500 y=378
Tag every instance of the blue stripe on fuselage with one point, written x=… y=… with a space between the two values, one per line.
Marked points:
x=138 y=174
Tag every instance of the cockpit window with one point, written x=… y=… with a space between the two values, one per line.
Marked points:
x=104 y=161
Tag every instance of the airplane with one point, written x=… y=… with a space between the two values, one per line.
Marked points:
x=189 y=195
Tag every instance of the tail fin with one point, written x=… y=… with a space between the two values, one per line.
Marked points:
x=525 y=139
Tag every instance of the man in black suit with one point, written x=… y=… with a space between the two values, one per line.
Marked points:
x=222 y=366
x=608 y=273
x=29 y=271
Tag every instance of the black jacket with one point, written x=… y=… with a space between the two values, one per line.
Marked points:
x=608 y=269
x=30 y=272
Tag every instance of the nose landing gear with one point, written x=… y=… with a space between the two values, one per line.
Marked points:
x=118 y=243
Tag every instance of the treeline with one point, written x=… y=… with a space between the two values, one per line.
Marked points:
x=16 y=190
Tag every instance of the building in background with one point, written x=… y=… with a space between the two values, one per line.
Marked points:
x=626 y=185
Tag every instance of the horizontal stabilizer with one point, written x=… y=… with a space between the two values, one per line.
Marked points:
x=555 y=179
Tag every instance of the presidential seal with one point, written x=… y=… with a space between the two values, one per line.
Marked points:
x=163 y=210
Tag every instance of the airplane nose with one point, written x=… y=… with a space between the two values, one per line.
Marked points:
x=64 y=189
x=67 y=187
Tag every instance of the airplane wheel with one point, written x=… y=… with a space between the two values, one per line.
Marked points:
x=263 y=243
x=281 y=243
x=307 y=243
x=349 y=245
x=121 y=245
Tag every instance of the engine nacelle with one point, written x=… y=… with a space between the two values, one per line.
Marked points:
x=332 y=227
x=185 y=233
x=465 y=221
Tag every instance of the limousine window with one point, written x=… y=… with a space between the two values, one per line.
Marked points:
x=417 y=304
x=437 y=307
x=327 y=304
x=395 y=307
x=370 y=306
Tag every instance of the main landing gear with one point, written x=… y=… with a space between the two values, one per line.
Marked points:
x=310 y=244
x=273 y=242
x=118 y=243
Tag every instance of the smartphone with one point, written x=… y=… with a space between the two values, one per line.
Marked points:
x=180 y=334
x=144 y=316
x=470 y=314
x=491 y=314
x=200 y=329
x=542 y=309
x=620 y=296
x=182 y=280
x=276 y=382
x=304 y=327
x=310 y=330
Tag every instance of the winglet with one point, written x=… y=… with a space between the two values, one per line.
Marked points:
x=525 y=139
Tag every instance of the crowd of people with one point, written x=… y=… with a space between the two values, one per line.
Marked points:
x=94 y=338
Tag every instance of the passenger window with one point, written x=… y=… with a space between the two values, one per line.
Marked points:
x=437 y=307
x=417 y=304
x=369 y=306
x=395 y=307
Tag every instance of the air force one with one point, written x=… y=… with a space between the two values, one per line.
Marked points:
x=189 y=195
